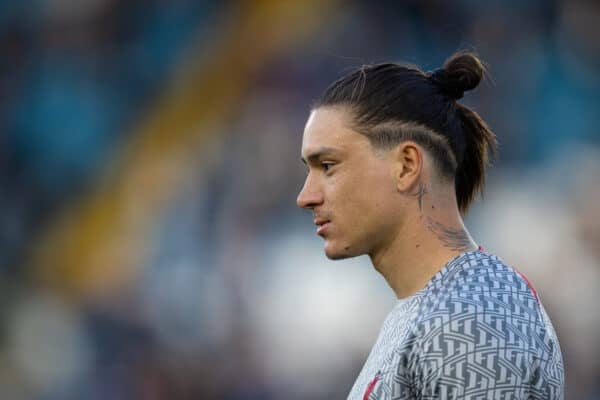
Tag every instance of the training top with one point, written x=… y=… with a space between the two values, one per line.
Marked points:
x=476 y=331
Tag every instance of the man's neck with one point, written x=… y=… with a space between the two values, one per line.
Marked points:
x=428 y=240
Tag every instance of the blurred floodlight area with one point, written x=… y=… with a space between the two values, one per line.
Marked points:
x=150 y=245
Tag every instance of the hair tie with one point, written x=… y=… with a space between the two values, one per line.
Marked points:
x=439 y=77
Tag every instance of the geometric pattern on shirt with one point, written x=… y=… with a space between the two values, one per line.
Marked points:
x=476 y=331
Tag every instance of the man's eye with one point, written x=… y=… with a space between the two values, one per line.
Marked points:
x=327 y=165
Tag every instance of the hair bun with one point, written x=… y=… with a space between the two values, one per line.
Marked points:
x=461 y=72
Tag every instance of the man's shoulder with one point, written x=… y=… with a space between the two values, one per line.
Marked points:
x=481 y=313
x=478 y=276
x=477 y=285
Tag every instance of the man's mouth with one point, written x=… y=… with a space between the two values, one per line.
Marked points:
x=322 y=225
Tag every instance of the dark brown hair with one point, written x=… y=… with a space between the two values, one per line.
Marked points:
x=391 y=103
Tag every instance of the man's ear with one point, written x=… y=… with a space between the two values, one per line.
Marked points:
x=408 y=160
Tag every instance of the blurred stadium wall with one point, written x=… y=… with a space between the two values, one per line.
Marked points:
x=150 y=247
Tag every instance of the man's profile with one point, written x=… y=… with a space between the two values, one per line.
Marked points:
x=394 y=161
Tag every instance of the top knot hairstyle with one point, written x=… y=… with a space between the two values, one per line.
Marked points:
x=392 y=103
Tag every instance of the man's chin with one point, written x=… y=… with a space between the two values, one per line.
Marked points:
x=334 y=253
x=337 y=256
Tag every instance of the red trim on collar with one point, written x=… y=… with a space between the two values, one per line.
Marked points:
x=371 y=387
x=528 y=284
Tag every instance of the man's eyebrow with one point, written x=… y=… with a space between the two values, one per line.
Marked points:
x=322 y=151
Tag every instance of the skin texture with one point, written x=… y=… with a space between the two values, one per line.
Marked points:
x=388 y=204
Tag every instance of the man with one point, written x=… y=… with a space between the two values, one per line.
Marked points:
x=393 y=163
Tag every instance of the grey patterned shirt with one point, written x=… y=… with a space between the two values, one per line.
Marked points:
x=476 y=331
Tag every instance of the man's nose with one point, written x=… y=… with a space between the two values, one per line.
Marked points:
x=309 y=197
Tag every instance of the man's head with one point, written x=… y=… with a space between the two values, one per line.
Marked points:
x=376 y=136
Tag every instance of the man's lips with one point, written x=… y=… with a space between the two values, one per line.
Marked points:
x=322 y=225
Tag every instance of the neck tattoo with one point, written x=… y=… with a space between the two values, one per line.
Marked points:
x=452 y=238
x=421 y=191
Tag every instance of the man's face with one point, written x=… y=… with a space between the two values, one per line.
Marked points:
x=349 y=187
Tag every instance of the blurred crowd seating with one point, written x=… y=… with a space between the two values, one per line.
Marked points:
x=228 y=295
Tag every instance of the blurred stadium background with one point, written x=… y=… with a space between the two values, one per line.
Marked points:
x=150 y=246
